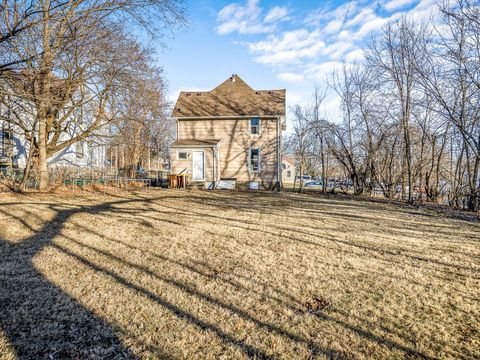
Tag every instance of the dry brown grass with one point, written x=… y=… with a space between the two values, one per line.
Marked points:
x=172 y=274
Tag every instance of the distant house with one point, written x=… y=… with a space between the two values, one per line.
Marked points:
x=288 y=169
x=14 y=150
x=14 y=146
x=230 y=134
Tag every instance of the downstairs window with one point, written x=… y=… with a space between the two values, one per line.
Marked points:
x=254 y=160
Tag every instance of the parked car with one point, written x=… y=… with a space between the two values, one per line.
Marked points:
x=345 y=183
x=314 y=184
x=305 y=178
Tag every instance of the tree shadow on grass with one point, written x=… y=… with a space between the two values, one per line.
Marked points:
x=38 y=318
x=251 y=225
x=42 y=321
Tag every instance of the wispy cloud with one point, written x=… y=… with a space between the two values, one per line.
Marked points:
x=291 y=77
x=318 y=16
x=397 y=4
x=307 y=47
x=248 y=18
x=288 y=48
x=276 y=14
x=331 y=33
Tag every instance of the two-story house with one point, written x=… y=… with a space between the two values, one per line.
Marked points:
x=231 y=133
x=14 y=149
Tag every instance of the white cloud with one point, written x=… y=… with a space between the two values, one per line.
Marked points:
x=288 y=48
x=338 y=49
x=364 y=15
x=375 y=24
x=331 y=107
x=397 y=4
x=316 y=17
x=276 y=14
x=296 y=98
x=355 y=56
x=320 y=72
x=425 y=10
x=291 y=77
x=333 y=26
x=247 y=18
x=310 y=48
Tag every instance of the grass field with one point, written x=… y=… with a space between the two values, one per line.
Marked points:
x=172 y=274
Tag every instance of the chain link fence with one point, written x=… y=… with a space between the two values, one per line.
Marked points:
x=71 y=177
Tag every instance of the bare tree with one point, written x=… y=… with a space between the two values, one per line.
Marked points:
x=451 y=77
x=300 y=142
x=409 y=121
x=395 y=56
x=78 y=59
x=319 y=127
x=141 y=128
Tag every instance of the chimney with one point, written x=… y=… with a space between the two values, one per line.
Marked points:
x=233 y=77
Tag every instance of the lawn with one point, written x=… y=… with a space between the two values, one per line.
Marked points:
x=180 y=274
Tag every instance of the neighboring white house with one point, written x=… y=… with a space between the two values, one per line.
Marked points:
x=14 y=151
x=288 y=169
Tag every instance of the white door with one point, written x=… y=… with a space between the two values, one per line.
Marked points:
x=197 y=166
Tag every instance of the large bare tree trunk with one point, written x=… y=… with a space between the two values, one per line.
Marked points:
x=408 y=158
x=46 y=78
x=42 y=156
x=322 y=159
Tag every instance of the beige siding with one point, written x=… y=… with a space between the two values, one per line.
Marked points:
x=179 y=165
x=236 y=141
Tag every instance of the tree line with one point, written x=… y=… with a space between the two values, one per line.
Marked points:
x=410 y=113
x=75 y=70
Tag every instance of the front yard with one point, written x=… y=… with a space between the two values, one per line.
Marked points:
x=177 y=274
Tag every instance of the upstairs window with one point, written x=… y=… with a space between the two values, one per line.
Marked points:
x=5 y=142
x=5 y=135
x=255 y=126
x=254 y=160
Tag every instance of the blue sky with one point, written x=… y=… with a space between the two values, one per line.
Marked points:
x=276 y=44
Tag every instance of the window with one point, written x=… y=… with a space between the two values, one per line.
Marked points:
x=254 y=160
x=289 y=173
x=5 y=142
x=255 y=126
x=182 y=155
x=79 y=149
x=6 y=135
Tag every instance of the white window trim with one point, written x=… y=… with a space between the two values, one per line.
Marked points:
x=250 y=160
x=182 y=151
x=259 y=126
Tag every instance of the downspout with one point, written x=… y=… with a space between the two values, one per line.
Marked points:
x=214 y=168
x=277 y=184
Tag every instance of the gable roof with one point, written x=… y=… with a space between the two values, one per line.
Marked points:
x=290 y=159
x=233 y=97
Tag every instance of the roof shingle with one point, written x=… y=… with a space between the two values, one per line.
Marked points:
x=233 y=97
